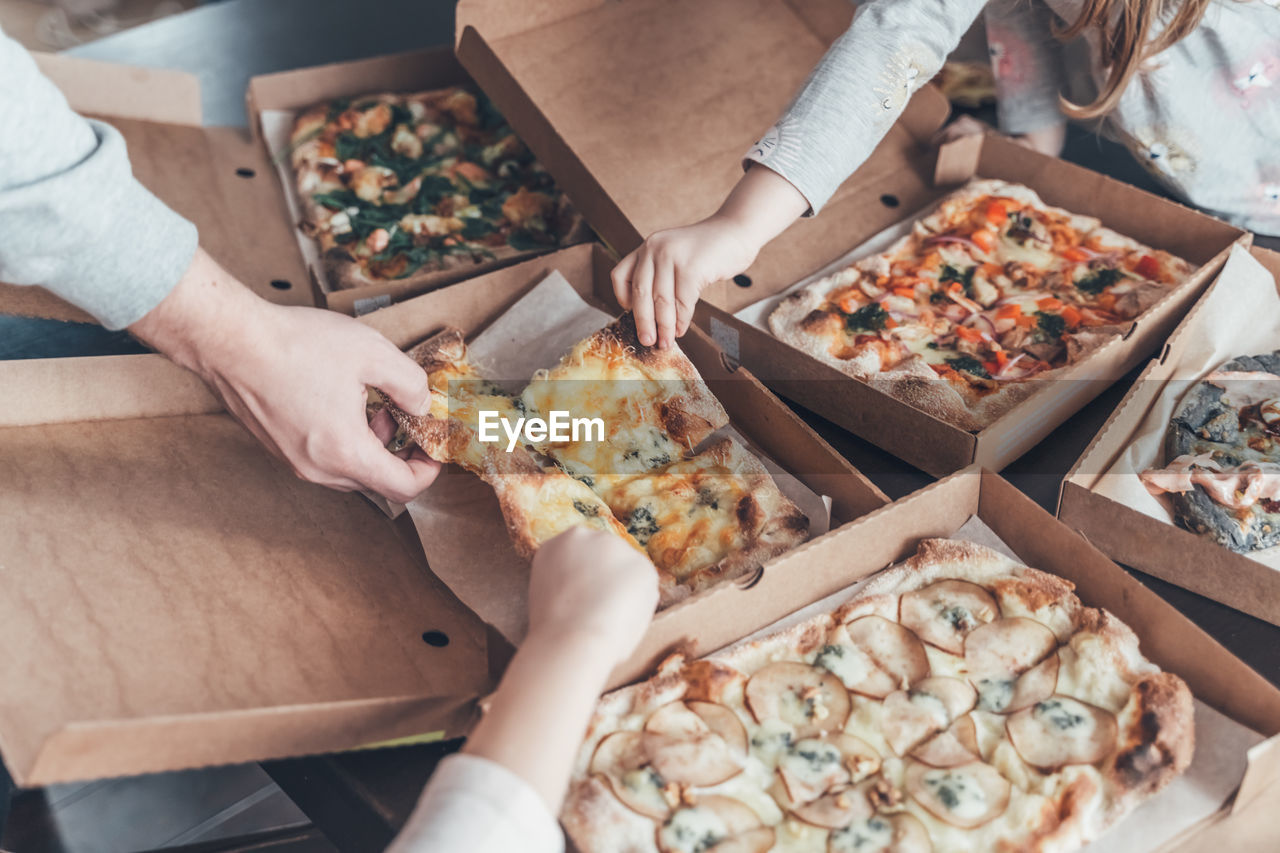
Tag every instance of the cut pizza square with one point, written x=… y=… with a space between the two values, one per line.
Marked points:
x=707 y=519
x=991 y=290
x=960 y=702
x=654 y=405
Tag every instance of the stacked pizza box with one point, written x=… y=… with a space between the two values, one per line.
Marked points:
x=1001 y=682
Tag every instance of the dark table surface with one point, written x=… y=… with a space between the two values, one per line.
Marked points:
x=358 y=800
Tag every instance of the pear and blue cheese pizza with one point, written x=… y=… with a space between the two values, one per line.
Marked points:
x=990 y=294
x=702 y=518
x=407 y=187
x=1222 y=476
x=960 y=702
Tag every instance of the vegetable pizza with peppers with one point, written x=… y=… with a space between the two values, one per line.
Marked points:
x=410 y=187
x=992 y=290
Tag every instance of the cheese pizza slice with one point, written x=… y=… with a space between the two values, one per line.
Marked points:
x=960 y=702
x=703 y=520
x=654 y=404
x=449 y=432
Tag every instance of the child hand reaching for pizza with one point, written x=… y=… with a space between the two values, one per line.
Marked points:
x=591 y=597
x=1145 y=69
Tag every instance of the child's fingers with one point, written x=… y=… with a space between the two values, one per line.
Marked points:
x=642 y=297
x=621 y=277
x=664 y=303
x=686 y=300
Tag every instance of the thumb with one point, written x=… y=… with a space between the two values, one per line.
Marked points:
x=402 y=379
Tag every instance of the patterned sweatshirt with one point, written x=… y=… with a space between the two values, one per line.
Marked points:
x=1203 y=116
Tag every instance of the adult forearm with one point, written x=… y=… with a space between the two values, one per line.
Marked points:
x=540 y=711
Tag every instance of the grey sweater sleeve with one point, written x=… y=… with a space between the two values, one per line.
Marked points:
x=72 y=217
x=1026 y=60
x=859 y=89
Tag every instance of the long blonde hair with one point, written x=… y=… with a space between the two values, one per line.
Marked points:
x=1124 y=30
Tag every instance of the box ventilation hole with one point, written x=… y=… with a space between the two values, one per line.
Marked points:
x=281 y=284
x=436 y=639
x=245 y=173
x=889 y=200
x=742 y=280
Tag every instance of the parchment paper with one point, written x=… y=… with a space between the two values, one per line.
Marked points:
x=1216 y=768
x=757 y=313
x=1241 y=316
x=458 y=518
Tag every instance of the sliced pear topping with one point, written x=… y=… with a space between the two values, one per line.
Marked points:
x=816 y=766
x=943 y=614
x=916 y=714
x=758 y=840
x=835 y=809
x=999 y=653
x=709 y=823
x=684 y=746
x=620 y=760
x=810 y=700
x=898 y=833
x=965 y=796
x=1060 y=731
x=874 y=656
x=957 y=745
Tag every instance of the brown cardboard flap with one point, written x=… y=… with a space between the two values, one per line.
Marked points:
x=644 y=109
x=957 y=160
x=168 y=569
x=66 y=390
x=124 y=91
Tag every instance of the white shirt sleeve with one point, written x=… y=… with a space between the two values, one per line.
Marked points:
x=474 y=805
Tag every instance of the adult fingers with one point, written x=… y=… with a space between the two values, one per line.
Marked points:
x=400 y=378
x=383 y=426
x=400 y=480
x=642 y=298
x=621 y=277
x=664 y=303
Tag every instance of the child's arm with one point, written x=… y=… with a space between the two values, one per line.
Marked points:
x=591 y=597
x=847 y=105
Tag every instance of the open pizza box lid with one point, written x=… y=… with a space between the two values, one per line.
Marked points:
x=213 y=176
x=175 y=597
x=643 y=111
x=1149 y=544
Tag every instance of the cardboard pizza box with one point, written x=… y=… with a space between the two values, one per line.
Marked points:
x=291 y=91
x=223 y=179
x=214 y=176
x=1214 y=675
x=643 y=110
x=175 y=597
x=708 y=619
x=1148 y=544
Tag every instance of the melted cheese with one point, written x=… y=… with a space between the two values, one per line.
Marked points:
x=693 y=830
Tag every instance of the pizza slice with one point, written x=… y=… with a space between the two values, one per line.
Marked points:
x=654 y=404
x=1222 y=476
x=992 y=289
x=707 y=519
x=960 y=702
x=449 y=432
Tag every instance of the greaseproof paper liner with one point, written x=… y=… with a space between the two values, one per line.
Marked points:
x=458 y=518
x=1216 y=768
x=277 y=129
x=1239 y=316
